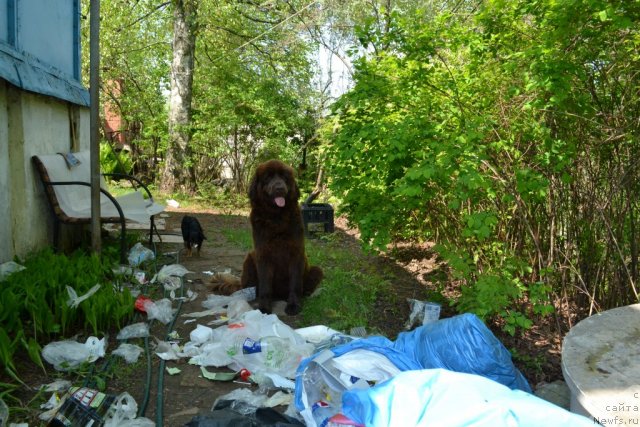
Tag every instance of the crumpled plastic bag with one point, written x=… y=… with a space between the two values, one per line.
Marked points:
x=462 y=343
x=129 y=352
x=75 y=300
x=135 y=330
x=122 y=413
x=67 y=355
x=422 y=312
x=160 y=310
x=139 y=254
x=8 y=268
x=226 y=345
x=214 y=302
x=169 y=275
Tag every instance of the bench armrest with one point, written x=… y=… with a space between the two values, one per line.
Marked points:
x=132 y=179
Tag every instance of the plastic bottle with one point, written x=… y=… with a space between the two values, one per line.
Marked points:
x=321 y=412
x=269 y=351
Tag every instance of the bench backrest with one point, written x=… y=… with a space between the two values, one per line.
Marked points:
x=54 y=168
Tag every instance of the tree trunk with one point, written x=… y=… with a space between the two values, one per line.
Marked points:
x=179 y=171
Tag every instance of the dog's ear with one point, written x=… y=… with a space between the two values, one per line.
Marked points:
x=253 y=187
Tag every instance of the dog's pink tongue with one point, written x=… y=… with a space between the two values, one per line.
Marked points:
x=280 y=201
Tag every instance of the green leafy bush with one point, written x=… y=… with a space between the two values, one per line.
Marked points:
x=486 y=133
x=112 y=162
x=34 y=305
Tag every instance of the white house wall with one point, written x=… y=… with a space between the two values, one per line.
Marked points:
x=41 y=100
x=31 y=124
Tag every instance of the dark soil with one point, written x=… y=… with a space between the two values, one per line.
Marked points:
x=412 y=269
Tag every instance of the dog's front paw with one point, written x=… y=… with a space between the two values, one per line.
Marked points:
x=265 y=305
x=293 y=308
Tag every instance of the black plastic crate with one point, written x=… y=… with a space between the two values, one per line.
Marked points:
x=317 y=213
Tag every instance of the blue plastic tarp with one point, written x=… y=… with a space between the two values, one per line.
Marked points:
x=438 y=397
x=461 y=344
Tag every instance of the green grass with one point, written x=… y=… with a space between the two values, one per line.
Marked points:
x=348 y=294
x=240 y=237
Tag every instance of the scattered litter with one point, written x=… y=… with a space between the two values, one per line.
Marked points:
x=201 y=334
x=237 y=308
x=85 y=406
x=260 y=343
x=461 y=344
x=168 y=351
x=279 y=398
x=135 y=330
x=191 y=296
x=173 y=335
x=160 y=310
x=173 y=203
x=130 y=352
x=422 y=312
x=316 y=334
x=211 y=354
x=171 y=284
x=243 y=400
x=8 y=268
x=53 y=403
x=173 y=371
x=278 y=381
x=248 y=294
x=75 y=300
x=139 y=254
x=56 y=386
x=170 y=270
x=140 y=277
x=68 y=354
x=210 y=312
x=219 y=321
x=218 y=376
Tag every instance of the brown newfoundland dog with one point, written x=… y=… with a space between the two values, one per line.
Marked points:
x=277 y=266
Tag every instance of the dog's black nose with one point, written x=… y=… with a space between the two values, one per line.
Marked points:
x=277 y=185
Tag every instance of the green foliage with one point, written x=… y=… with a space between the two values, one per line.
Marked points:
x=506 y=134
x=112 y=162
x=240 y=236
x=349 y=291
x=34 y=308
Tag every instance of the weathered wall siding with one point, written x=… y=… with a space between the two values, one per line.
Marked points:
x=31 y=124
x=40 y=47
x=4 y=14
x=5 y=193
x=45 y=31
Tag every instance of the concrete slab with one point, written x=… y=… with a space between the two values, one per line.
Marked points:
x=601 y=365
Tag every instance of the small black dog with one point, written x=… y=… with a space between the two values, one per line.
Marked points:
x=192 y=234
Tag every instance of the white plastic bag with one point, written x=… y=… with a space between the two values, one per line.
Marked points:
x=74 y=300
x=135 y=330
x=67 y=355
x=160 y=310
x=130 y=352
x=139 y=254
x=8 y=268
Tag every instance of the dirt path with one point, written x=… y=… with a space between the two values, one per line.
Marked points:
x=187 y=394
